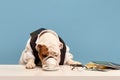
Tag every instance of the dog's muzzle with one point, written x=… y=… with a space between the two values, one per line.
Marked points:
x=50 y=64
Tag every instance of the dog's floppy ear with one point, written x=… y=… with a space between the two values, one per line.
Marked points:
x=41 y=48
x=60 y=45
x=38 y=47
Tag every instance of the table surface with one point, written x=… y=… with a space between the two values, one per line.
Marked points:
x=20 y=70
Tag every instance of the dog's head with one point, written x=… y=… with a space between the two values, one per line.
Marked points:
x=49 y=56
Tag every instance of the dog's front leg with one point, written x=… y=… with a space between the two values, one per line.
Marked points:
x=69 y=57
x=30 y=64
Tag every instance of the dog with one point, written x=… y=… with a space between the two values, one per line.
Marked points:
x=47 y=49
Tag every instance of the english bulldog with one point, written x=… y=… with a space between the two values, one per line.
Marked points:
x=47 y=49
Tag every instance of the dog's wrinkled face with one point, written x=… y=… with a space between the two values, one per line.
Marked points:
x=49 y=56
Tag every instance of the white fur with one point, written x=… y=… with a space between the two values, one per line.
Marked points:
x=27 y=56
x=27 y=52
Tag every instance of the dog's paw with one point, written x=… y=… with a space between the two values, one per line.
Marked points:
x=72 y=62
x=75 y=62
x=30 y=65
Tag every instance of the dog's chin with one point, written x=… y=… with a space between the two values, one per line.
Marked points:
x=50 y=65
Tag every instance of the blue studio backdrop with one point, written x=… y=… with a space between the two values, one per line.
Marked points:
x=91 y=28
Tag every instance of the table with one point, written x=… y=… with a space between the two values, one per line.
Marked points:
x=19 y=72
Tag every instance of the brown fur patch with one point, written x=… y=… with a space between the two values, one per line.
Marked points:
x=42 y=51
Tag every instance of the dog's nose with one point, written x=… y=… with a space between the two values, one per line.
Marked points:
x=51 y=64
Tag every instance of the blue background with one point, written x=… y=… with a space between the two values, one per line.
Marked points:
x=91 y=28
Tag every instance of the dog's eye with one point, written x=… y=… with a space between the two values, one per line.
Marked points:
x=56 y=55
x=44 y=56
